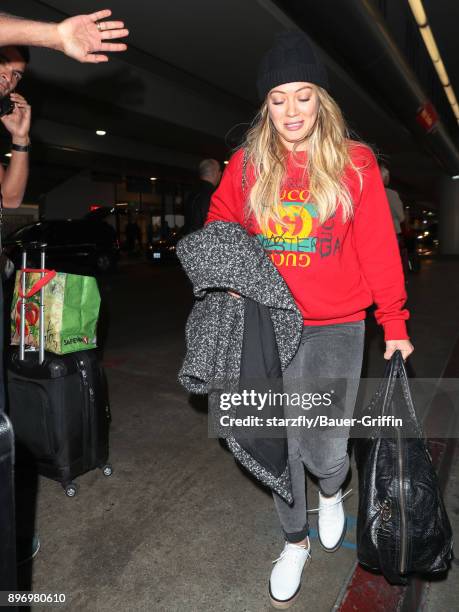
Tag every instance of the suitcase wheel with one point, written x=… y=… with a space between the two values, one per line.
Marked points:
x=107 y=469
x=71 y=489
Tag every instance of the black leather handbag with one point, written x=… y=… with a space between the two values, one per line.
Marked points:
x=402 y=525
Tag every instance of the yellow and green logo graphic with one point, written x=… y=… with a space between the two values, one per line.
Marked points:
x=295 y=233
x=299 y=235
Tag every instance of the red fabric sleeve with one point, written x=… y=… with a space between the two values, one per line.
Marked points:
x=378 y=253
x=226 y=203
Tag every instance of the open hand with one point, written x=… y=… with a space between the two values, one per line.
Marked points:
x=82 y=39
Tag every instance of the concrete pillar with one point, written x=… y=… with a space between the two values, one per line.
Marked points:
x=448 y=216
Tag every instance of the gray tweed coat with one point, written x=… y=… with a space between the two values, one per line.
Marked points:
x=219 y=257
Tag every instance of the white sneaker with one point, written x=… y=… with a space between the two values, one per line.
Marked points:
x=285 y=581
x=332 y=521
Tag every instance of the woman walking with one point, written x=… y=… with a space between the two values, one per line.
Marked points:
x=316 y=201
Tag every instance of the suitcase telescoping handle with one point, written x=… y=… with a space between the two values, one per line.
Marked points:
x=22 y=311
x=45 y=277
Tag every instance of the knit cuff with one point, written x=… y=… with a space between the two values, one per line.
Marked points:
x=395 y=330
x=297 y=536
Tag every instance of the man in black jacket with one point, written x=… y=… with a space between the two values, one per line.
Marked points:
x=197 y=204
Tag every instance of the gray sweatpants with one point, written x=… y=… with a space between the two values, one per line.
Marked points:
x=331 y=354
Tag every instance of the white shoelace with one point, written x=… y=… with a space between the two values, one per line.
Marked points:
x=305 y=547
x=333 y=504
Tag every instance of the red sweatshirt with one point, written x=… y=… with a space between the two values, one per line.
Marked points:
x=334 y=270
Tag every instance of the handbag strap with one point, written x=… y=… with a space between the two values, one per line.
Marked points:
x=41 y=282
x=394 y=374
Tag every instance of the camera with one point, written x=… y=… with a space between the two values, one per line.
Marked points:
x=6 y=106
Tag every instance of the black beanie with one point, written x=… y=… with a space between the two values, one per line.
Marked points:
x=290 y=59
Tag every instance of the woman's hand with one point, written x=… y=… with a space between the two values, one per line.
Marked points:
x=404 y=346
x=236 y=295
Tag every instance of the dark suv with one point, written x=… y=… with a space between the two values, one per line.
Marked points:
x=70 y=244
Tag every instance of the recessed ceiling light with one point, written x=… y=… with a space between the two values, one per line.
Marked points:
x=152 y=178
x=101 y=132
x=8 y=154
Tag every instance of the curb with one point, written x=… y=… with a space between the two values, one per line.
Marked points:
x=364 y=591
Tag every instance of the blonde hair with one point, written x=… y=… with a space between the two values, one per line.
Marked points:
x=329 y=147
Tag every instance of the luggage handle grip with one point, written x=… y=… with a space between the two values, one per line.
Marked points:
x=48 y=276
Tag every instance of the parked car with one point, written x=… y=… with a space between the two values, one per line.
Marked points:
x=162 y=250
x=70 y=244
x=427 y=237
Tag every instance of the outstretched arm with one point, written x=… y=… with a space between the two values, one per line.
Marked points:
x=83 y=37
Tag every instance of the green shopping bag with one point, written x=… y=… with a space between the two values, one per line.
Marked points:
x=71 y=310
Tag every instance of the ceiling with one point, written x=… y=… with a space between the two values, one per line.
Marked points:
x=185 y=90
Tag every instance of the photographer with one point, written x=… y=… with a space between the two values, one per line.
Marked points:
x=13 y=181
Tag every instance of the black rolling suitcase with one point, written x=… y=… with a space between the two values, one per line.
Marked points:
x=7 y=520
x=59 y=408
